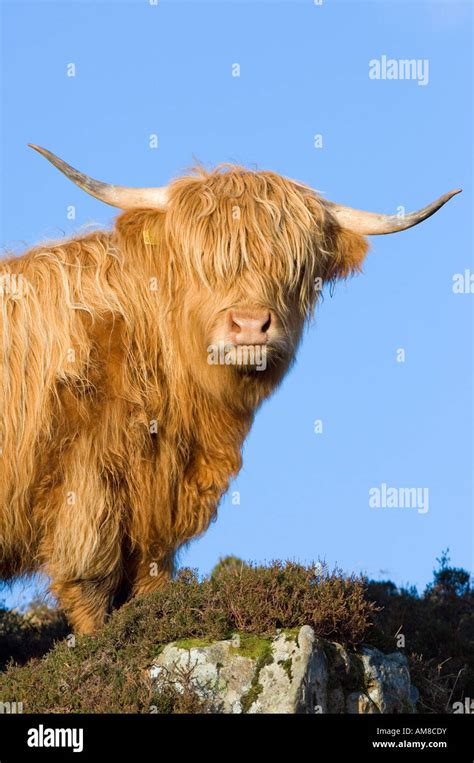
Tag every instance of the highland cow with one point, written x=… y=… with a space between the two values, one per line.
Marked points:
x=119 y=429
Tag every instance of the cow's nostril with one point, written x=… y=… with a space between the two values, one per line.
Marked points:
x=266 y=325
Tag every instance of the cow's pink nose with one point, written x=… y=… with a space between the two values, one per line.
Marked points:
x=249 y=326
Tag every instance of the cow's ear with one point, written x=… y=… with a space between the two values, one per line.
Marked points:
x=346 y=252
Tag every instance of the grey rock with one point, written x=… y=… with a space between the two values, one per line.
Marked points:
x=387 y=680
x=218 y=674
x=295 y=672
x=295 y=680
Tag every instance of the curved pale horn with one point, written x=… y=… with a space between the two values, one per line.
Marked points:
x=116 y=195
x=373 y=224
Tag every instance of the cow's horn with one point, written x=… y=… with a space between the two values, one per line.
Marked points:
x=373 y=224
x=116 y=195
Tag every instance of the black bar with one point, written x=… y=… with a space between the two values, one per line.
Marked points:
x=328 y=737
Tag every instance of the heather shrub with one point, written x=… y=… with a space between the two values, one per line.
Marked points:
x=107 y=672
x=438 y=630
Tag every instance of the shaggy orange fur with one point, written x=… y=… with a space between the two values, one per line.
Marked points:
x=118 y=438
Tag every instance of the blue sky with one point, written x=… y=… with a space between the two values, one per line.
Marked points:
x=143 y=69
